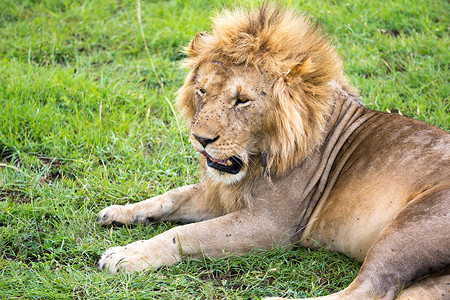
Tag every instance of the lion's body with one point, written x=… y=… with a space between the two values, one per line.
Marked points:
x=289 y=156
x=383 y=166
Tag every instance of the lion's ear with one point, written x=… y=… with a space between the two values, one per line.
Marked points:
x=304 y=67
x=199 y=40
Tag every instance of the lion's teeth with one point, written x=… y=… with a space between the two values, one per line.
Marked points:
x=225 y=162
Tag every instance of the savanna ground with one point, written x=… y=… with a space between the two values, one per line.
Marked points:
x=86 y=120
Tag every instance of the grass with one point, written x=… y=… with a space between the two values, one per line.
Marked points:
x=85 y=122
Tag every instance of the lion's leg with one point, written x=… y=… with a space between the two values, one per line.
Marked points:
x=234 y=233
x=181 y=204
x=414 y=244
x=433 y=287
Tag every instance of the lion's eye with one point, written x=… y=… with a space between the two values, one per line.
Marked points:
x=240 y=100
x=201 y=92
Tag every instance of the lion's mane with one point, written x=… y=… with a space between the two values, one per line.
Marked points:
x=298 y=63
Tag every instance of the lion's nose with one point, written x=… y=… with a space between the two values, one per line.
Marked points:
x=205 y=141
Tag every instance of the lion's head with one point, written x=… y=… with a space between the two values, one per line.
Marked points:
x=258 y=92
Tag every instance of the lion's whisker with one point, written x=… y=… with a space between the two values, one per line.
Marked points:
x=250 y=159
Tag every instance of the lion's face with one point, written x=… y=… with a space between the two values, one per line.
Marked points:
x=228 y=119
x=258 y=93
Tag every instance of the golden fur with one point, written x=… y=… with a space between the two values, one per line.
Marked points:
x=298 y=63
x=269 y=39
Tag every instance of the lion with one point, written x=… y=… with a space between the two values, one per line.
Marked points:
x=290 y=157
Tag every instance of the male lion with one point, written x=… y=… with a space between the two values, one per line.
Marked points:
x=290 y=156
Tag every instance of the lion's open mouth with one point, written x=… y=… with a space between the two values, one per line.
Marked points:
x=231 y=165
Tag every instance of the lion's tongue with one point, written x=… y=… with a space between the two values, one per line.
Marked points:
x=225 y=162
x=230 y=165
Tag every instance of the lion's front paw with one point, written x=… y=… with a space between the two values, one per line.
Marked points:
x=130 y=258
x=115 y=215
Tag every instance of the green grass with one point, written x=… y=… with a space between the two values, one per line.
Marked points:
x=85 y=122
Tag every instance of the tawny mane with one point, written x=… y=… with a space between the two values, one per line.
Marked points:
x=297 y=63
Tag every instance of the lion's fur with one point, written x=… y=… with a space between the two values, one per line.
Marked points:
x=298 y=62
x=227 y=199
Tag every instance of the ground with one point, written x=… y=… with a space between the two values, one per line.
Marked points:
x=86 y=120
